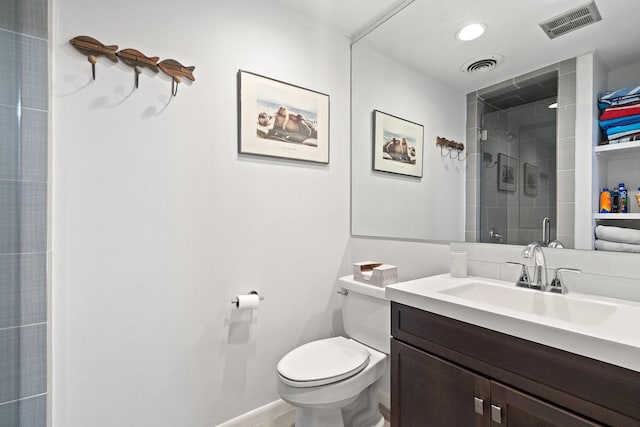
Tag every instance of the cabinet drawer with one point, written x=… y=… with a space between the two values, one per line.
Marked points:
x=601 y=391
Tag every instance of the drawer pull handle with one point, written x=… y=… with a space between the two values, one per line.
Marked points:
x=479 y=405
x=496 y=415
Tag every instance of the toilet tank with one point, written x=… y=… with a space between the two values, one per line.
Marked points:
x=366 y=314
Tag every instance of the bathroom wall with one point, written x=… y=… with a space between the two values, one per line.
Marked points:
x=399 y=206
x=23 y=213
x=158 y=222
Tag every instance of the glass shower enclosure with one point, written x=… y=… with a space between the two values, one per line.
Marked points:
x=518 y=173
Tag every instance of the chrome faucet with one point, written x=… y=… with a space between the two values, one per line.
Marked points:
x=534 y=250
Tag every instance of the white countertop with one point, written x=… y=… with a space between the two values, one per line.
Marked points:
x=613 y=339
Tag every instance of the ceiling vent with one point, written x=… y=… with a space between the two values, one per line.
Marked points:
x=571 y=20
x=482 y=64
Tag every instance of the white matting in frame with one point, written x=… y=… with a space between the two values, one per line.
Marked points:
x=397 y=145
x=278 y=119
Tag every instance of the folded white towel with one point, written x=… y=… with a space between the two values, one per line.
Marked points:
x=618 y=234
x=605 y=245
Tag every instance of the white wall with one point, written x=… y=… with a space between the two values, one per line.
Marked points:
x=158 y=222
x=399 y=206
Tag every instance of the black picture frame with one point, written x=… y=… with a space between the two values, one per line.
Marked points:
x=507 y=173
x=278 y=119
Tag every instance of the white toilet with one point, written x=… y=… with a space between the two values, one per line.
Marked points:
x=331 y=381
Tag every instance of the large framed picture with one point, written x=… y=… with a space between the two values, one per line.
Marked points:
x=278 y=119
x=507 y=172
x=530 y=179
x=398 y=145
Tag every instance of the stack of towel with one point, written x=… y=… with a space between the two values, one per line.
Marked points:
x=617 y=239
x=620 y=118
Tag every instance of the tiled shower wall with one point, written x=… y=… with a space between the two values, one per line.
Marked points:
x=23 y=212
x=565 y=150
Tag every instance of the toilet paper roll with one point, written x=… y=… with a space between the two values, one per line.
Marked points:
x=248 y=302
x=458 y=264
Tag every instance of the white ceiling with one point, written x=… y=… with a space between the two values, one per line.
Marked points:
x=423 y=33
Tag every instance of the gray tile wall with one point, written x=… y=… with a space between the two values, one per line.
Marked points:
x=23 y=212
x=565 y=150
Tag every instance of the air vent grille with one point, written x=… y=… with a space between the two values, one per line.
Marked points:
x=481 y=64
x=571 y=20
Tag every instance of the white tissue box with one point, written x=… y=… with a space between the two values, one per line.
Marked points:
x=375 y=273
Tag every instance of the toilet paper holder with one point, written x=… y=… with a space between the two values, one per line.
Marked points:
x=234 y=301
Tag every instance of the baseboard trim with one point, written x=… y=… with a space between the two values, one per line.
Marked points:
x=259 y=415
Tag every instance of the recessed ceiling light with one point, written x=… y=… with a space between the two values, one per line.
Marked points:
x=471 y=32
x=554 y=105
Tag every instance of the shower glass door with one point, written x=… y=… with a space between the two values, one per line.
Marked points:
x=518 y=174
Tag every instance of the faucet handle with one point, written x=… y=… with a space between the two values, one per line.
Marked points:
x=556 y=285
x=524 y=280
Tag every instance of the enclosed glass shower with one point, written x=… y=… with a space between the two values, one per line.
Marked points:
x=518 y=173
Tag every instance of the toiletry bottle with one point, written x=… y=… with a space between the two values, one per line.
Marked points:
x=638 y=197
x=605 y=200
x=623 y=199
x=615 y=199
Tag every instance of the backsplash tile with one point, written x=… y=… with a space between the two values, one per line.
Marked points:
x=23 y=217
x=23 y=289
x=23 y=362
x=30 y=412
x=613 y=275
x=24 y=71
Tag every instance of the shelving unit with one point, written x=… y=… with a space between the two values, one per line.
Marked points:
x=615 y=216
x=618 y=150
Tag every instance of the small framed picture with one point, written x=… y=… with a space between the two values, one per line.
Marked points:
x=530 y=179
x=507 y=172
x=278 y=119
x=397 y=145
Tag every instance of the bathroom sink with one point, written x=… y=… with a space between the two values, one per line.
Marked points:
x=589 y=325
x=560 y=307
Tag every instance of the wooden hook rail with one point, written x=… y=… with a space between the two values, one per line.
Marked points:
x=450 y=146
x=134 y=58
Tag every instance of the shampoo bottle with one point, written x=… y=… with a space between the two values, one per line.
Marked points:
x=623 y=199
x=605 y=201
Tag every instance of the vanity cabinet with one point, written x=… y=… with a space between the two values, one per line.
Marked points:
x=449 y=373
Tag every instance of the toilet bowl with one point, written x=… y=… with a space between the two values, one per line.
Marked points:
x=332 y=381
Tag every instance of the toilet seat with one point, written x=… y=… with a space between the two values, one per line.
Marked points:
x=323 y=362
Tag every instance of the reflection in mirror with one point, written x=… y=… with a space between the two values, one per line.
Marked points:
x=391 y=204
x=413 y=67
x=518 y=171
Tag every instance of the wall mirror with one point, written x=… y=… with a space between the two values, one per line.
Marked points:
x=413 y=66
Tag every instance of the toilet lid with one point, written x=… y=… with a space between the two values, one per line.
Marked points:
x=323 y=362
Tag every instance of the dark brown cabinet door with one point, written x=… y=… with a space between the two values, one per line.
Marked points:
x=428 y=391
x=513 y=408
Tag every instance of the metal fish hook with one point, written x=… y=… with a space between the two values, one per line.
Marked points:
x=137 y=78
x=174 y=92
x=92 y=59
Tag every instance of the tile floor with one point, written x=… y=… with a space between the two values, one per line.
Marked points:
x=288 y=419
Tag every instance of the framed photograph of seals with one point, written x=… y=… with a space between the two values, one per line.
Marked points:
x=397 y=145
x=278 y=119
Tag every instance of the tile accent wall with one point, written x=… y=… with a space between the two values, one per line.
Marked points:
x=23 y=212
x=566 y=121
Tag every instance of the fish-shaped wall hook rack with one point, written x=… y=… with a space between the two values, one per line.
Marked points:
x=176 y=71
x=93 y=49
x=137 y=59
